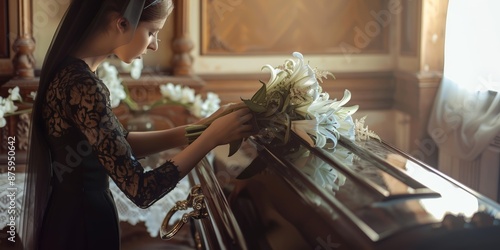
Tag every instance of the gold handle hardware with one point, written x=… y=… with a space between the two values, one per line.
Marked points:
x=195 y=200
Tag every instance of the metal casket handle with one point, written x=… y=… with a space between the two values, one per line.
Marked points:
x=195 y=200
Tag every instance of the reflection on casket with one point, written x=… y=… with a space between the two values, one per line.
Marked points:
x=362 y=195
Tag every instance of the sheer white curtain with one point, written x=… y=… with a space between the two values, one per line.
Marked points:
x=466 y=112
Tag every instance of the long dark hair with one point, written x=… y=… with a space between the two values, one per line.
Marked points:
x=82 y=19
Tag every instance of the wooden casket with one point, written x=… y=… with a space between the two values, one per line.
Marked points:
x=360 y=195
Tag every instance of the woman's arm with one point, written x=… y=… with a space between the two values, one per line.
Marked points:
x=151 y=142
x=223 y=130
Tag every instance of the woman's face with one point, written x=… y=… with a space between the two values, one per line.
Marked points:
x=145 y=37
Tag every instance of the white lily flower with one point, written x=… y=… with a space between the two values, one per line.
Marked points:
x=176 y=94
x=116 y=94
x=277 y=76
x=166 y=90
x=9 y=106
x=3 y=122
x=197 y=107
x=32 y=95
x=347 y=128
x=302 y=110
x=205 y=108
x=14 y=94
x=172 y=92
x=134 y=68
x=327 y=128
x=213 y=103
x=299 y=68
x=323 y=104
x=304 y=91
x=346 y=98
x=305 y=128
x=323 y=97
x=108 y=73
x=187 y=95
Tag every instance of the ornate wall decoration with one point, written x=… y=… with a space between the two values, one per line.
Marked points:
x=23 y=131
x=281 y=26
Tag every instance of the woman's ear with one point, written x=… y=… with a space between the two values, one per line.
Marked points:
x=122 y=24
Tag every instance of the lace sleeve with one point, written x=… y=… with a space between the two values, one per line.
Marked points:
x=90 y=112
x=124 y=131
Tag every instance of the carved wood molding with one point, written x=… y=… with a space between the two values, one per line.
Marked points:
x=182 y=44
x=24 y=45
x=415 y=94
x=370 y=90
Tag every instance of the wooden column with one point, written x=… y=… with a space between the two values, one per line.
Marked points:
x=416 y=90
x=182 y=44
x=24 y=45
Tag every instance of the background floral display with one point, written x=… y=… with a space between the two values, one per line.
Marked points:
x=8 y=105
x=171 y=94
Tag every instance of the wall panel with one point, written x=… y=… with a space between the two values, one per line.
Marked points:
x=239 y=27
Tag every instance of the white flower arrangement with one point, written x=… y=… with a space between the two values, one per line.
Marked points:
x=108 y=73
x=8 y=105
x=171 y=94
x=134 y=68
x=293 y=100
x=194 y=102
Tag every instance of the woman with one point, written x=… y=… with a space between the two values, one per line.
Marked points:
x=77 y=142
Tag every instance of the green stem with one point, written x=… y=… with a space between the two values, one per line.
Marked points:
x=24 y=111
x=131 y=103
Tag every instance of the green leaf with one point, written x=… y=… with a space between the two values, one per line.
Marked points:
x=285 y=103
x=257 y=165
x=288 y=127
x=255 y=107
x=260 y=95
x=234 y=146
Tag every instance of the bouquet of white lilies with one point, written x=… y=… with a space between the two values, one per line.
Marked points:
x=293 y=100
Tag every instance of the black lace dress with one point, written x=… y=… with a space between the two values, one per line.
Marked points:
x=88 y=145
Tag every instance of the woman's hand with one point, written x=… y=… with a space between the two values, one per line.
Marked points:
x=230 y=127
x=224 y=109
x=230 y=123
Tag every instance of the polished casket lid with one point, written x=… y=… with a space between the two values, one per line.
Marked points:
x=383 y=192
x=358 y=195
